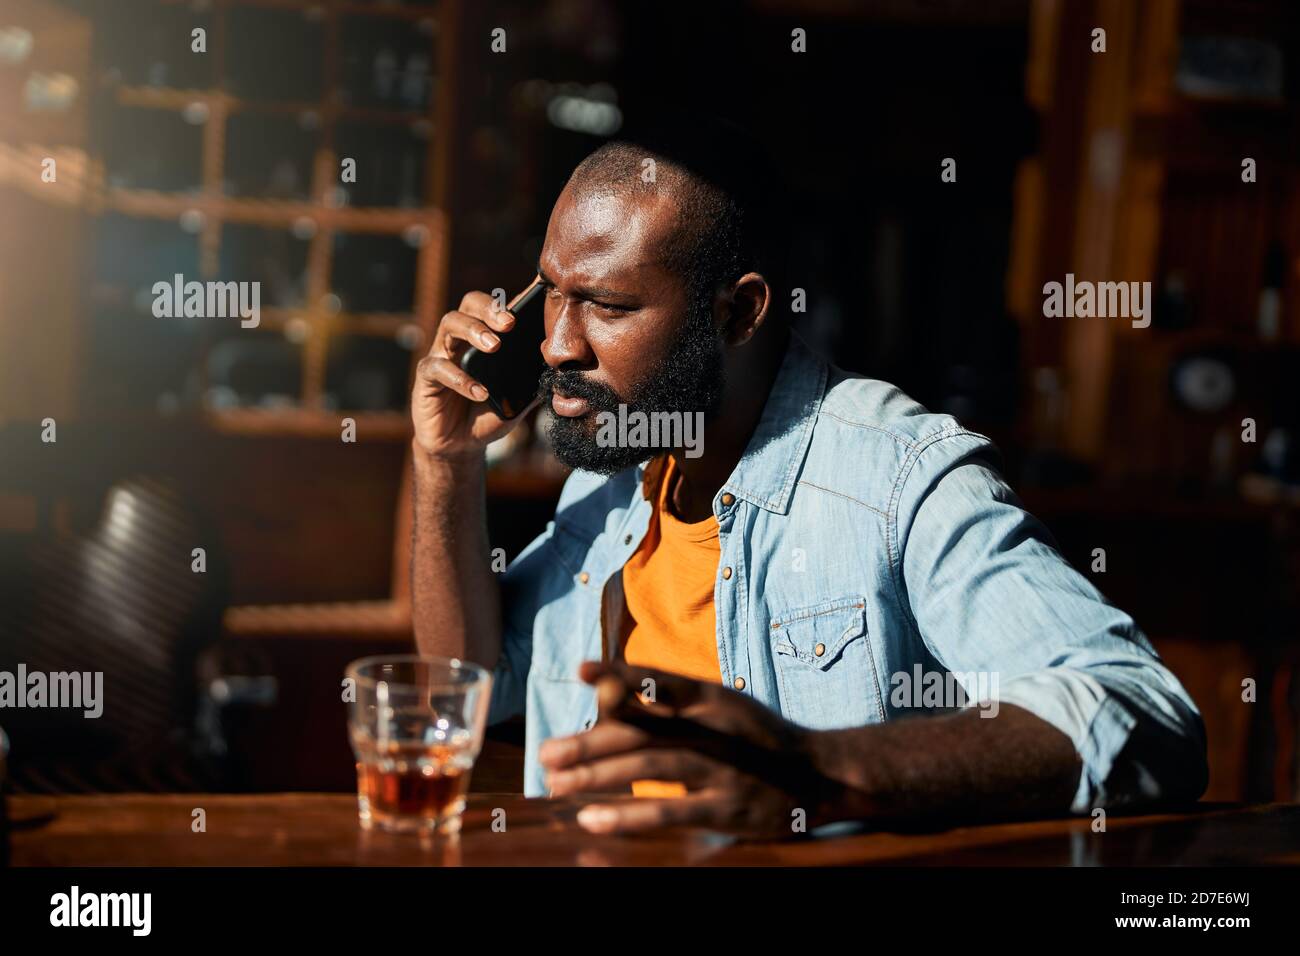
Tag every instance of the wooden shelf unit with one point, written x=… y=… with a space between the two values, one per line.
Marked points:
x=164 y=98
x=1102 y=199
x=379 y=8
x=322 y=217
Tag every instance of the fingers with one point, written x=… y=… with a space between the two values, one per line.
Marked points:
x=610 y=695
x=484 y=307
x=436 y=373
x=696 y=809
x=460 y=328
x=477 y=322
x=633 y=730
x=618 y=772
x=604 y=740
x=651 y=686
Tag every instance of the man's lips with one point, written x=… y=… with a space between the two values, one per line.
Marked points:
x=568 y=406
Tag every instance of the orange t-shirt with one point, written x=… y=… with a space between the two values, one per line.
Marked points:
x=668 y=586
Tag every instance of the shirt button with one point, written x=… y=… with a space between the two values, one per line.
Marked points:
x=738 y=683
x=584 y=577
x=819 y=650
x=726 y=573
x=627 y=540
x=728 y=500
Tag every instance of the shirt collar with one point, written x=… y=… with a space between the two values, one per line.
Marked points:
x=765 y=475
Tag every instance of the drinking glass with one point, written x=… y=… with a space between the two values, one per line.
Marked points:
x=416 y=726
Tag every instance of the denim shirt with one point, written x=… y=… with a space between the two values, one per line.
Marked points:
x=867 y=546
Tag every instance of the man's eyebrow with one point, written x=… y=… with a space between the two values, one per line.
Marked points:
x=590 y=292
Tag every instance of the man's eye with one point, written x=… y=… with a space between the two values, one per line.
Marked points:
x=612 y=309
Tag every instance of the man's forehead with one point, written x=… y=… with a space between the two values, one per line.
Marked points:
x=598 y=230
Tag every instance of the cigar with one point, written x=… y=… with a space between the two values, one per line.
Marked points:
x=615 y=701
x=609 y=694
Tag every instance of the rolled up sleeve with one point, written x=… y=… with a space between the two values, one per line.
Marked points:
x=990 y=593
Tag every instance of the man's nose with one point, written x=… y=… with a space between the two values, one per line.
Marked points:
x=566 y=340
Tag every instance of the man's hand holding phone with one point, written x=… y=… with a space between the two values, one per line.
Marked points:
x=449 y=406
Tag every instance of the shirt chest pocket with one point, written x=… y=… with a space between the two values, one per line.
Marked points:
x=825 y=669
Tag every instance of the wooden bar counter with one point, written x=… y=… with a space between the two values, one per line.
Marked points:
x=308 y=829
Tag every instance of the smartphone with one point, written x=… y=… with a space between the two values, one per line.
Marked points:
x=511 y=373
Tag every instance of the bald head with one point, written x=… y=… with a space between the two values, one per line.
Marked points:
x=717 y=228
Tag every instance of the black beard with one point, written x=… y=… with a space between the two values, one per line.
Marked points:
x=688 y=380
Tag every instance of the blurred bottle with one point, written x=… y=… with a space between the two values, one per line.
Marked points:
x=1049 y=409
x=1045 y=463
x=385 y=74
x=410 y=194
x=1171 y=308
x=415 y=81
x=1268 y=316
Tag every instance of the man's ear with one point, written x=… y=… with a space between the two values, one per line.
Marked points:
x=747 y=307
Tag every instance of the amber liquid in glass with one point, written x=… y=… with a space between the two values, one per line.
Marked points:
x=413 y=786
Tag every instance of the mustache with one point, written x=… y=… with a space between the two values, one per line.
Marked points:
x=576 y=385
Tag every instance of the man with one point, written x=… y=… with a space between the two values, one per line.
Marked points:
x=756 y=616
